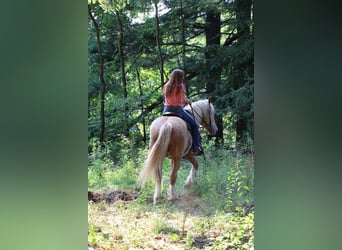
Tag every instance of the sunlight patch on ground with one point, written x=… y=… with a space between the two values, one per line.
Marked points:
x=168 y=225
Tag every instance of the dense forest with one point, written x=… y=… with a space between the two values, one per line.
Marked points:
x=132 y=48
x=134 y=45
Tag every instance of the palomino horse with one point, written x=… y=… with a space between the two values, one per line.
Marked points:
x=170 y=137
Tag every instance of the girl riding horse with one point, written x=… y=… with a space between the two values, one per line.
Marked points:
x=175 y=98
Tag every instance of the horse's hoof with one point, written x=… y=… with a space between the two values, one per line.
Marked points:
x=173 y=198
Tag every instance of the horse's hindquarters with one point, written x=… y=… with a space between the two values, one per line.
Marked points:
x=181 y=139
x=169 y=137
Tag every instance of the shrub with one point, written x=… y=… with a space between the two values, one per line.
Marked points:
x=240 y=184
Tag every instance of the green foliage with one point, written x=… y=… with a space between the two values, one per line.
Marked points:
x=162 y=227
x=222 y=197
x=224 y=181
x=231 y=61
x=95 y=236
x=103 y=172
x=212 y=176
x=240 y=185
x=238 y=236
x=225 y=177
x=98 y=165
x=189 y=239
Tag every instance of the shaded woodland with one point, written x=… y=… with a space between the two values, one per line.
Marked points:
x=134 y=45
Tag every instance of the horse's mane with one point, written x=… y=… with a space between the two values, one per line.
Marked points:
x=200 y=104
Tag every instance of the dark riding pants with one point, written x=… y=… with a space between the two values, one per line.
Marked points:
x=194 y=127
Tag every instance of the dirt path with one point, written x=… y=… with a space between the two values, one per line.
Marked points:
x=120 y=219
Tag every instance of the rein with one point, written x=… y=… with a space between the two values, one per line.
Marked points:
x=192 y=110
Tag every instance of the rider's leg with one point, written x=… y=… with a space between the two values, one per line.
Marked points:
x=194 y=131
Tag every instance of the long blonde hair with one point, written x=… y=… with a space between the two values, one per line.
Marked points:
x=175 y=81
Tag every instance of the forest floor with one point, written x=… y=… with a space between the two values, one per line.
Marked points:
x=216 y=212
x=121 y=219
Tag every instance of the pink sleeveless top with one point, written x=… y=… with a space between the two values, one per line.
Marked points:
x=175 y=100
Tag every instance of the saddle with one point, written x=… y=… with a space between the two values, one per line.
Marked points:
x=175 y=114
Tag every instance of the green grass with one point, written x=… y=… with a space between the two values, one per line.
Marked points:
x=212 y=214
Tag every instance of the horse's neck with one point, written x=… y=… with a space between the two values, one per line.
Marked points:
x=198 y=113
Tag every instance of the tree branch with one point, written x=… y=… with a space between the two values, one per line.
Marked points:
x=232 y=38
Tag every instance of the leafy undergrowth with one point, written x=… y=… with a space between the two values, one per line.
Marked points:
x=215 y=213
x=181 y=224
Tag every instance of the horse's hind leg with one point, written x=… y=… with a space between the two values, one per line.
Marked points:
x=193 y=171
x=158 y=183
x=157 y=192
x=175 y=164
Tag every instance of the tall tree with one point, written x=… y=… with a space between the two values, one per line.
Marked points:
x=141 y=40
x=142 y=105
x=103 y=83
x=122 y=64
x=213 y=69
x=158 y=40
x=183 y=34
x=243 y=68
x=212 y=35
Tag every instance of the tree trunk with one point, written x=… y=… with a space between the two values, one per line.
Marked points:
x=243 y=16
x=142 y=107
x=122 y=65
x=160 y=56
x=103 y=83
x=212 y=35
x=184 y=44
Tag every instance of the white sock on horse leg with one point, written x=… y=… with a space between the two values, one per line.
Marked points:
x=172 y=192
x=191 y=178
x=157 y=193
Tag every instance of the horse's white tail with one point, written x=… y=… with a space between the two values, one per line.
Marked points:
x=153 y=164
